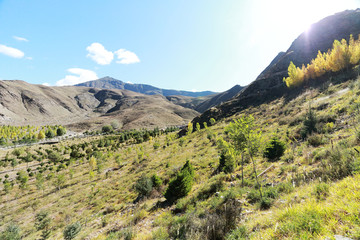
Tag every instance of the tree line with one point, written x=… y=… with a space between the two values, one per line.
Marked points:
x=341 y=56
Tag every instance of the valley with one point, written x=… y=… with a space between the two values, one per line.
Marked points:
x=276 y=159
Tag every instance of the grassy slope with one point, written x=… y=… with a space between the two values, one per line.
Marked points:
x=105 y=202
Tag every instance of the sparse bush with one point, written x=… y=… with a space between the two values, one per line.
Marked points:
x=139 y=215
x=315 y=140
x=156 y=145
x=238 y=234
x=321 y=190
x=253 y=196
x=160 y=234
x=285 y=187
x=274 y=149
x=338 y=165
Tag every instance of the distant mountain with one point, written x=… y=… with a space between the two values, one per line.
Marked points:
x=201 y=104
x=218 y=98
x=269 y=84
x=22 y=103
x=112 y=83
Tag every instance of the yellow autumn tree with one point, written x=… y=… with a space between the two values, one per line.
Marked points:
x=354 y=49
x=342 y=56
x=296 y=76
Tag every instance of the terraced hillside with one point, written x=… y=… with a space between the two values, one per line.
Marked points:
x=114 y=185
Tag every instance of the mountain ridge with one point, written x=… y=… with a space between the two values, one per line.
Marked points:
x=112 y=83
x=23 y=103
x=269 y=84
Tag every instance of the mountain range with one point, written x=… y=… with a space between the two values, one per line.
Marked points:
x=269 y=84
x=107 y=99
x=112 y=83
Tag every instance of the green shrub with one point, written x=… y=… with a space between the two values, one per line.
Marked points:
x=61 y=131
x=339 y=164
x=315 y=140
x=271 y=192
x=12 y=232
x=266 y=203
x=253 y=196
x=321 y=190
x=144 y=186
x=156 y=145
x=238 y=234
x=160 y=234
x=181 y=185
x=285 y=187
x=156 y=181
x=49 y=133
x=107 y=129
x=71 y=231
x=274 y=149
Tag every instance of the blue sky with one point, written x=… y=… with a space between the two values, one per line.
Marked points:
x=184 y=44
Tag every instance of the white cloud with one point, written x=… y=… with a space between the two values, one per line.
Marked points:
x=21 y=39
x=83 y=75
x=99 y=54
x=126 y=57
x=11 y=52
x=29 y=58
x=46 y=84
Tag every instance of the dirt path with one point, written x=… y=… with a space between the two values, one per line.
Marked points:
x=338 y=93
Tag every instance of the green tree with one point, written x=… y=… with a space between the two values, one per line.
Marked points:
x=235 y=131
x=22 y=178
x=49 y=133
x=7 y=188
x=181 y=185
x=40 y=182
x=107 y=129
x=309 y=124
x=12 y=232
x=71 y=231
x=42 y=222
x=198 y=128
x=274 y=149
x=60 y=131
x=246 y=135
x=59 y=181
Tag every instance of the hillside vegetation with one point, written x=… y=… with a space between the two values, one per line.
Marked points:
x=283 y=170
x=340 y=57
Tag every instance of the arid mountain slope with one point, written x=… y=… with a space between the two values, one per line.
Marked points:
x=269 y=84
x=22 y=103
